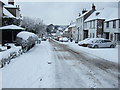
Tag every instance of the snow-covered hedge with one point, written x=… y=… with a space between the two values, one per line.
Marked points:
x=26 y=40
x=7 y=55
x=26 y=35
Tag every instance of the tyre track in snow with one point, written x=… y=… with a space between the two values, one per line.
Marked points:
x=79 y=70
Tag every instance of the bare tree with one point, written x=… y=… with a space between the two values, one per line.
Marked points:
x=35 y=25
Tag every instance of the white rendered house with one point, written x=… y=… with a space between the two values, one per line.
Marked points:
x=112 y=26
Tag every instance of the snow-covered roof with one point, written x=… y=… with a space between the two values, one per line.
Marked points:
x=103 y=14
x=13 y=27
x=72 y=25
x=9 y=6
x=3 y=1
x=82 y=15
x=66 y=29
x=7 y=14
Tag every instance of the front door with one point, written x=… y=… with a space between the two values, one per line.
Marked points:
x=85 y=34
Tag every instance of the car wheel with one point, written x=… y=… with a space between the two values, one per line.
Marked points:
x=112 y=46
x=96 y=46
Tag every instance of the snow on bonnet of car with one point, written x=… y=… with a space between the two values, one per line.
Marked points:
x=25 y=35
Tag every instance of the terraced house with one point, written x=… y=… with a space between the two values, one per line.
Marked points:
x=112 y=25
x=9 y=15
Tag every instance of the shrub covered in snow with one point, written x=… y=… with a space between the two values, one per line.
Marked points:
x=26 y=40
x=8 y=54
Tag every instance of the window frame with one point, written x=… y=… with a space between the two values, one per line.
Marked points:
x=114 y=23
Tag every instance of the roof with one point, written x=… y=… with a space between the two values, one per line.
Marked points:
x=72 y=25
x=66 y=29
x=7 y=14
x=103 y=14
x=113 y=15
x=9 y=6
x=3 y=1
x=82 y=15
x=11 y=27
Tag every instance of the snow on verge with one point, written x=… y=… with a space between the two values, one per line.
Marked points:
x=110 y=54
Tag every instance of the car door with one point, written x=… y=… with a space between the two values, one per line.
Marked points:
x=99 y=43
x=103 y=43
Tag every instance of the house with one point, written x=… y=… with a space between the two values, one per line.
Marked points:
x=65 y=33
x=94 y=24
x=80 y=32
x=11 y=14
x=112 y=25
x=1 y=12
x=71 y=30
x=9 y=17
x=9 y=33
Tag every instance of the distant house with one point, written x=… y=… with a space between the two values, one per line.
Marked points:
x=71 y=30
x=81 y=33
x=112 y=25
x=65 y=32
x=9 y=33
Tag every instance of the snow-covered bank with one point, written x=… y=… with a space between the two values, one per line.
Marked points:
x=31 y=70
x=110 y=54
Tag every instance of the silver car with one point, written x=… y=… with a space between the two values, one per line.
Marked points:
x=103 y=43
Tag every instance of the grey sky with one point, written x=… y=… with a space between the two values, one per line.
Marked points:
x=60 y=13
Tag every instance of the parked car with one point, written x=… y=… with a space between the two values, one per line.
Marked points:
x=63 y=39
x=102 y=43
x=88 y=41
x=81 y=43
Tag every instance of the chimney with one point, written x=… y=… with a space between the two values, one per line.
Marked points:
x=84 y=10
x=93 y=7
x=11 y=2
x=79 y=14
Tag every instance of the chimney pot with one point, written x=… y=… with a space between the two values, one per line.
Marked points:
x=11 y=2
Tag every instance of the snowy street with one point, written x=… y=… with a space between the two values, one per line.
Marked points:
x=54 y=65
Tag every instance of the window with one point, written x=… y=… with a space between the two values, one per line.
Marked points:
x=90 y=24
x=94 y=24
x=90 y=35
x=93 y=35
x=111 y=36
x=114 y=24
x=107 y=41
x=107 y=24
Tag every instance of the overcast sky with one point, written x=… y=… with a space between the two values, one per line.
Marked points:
x=58 y=13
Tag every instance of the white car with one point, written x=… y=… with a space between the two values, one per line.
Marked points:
x=88 y=41
x=102 y=43
x=63 y=39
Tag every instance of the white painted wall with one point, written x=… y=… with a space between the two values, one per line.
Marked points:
x=91 y=28
x=112 y=30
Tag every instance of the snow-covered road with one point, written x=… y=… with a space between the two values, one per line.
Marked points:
x=55 y=65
